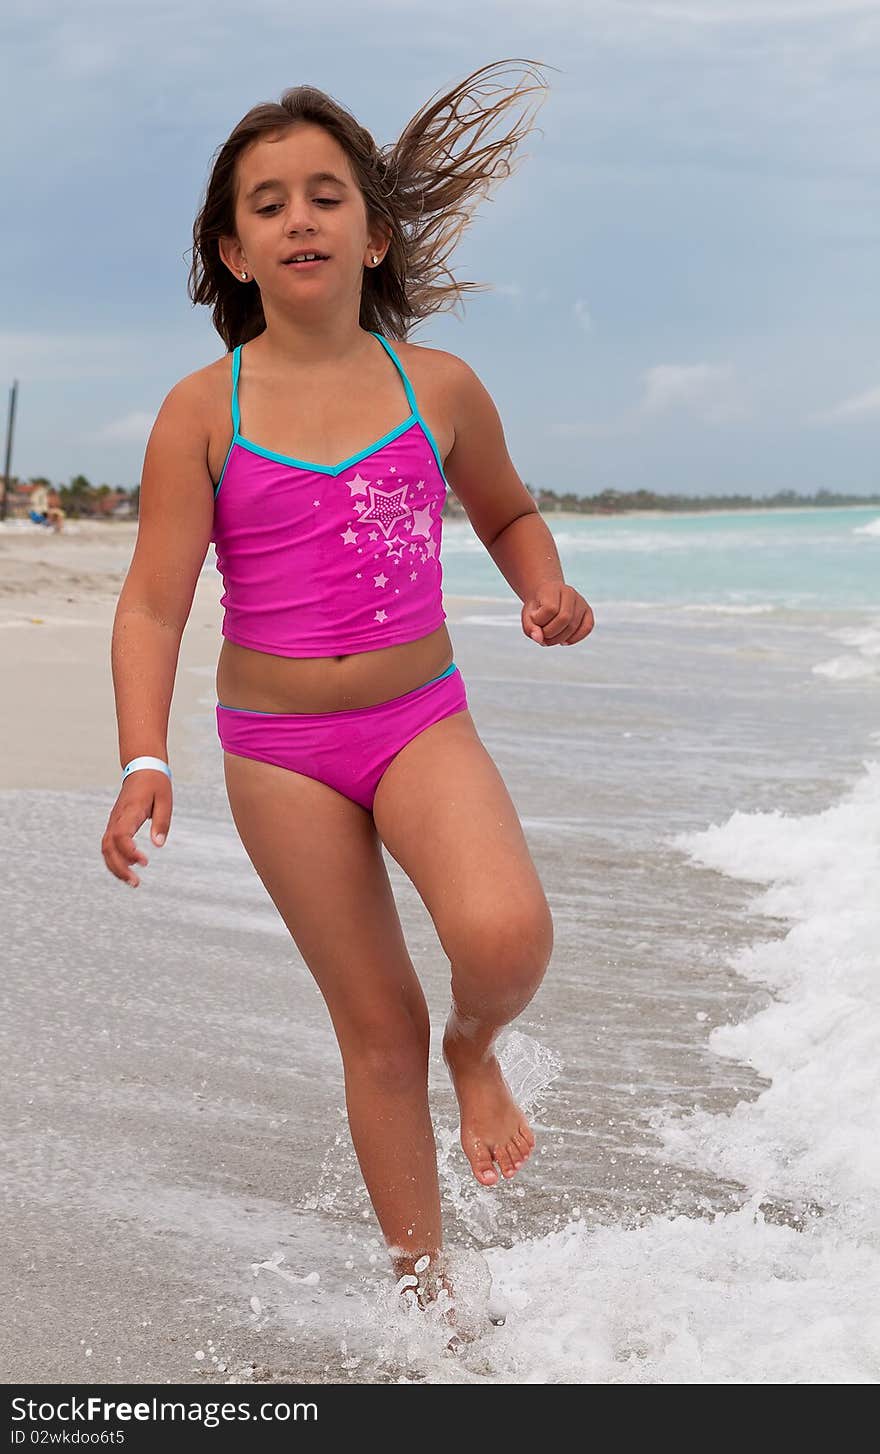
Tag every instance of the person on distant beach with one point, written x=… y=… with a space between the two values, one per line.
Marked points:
x=39 y=505
x=343 y=718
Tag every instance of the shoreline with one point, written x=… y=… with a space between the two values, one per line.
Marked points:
x=699 y=514
x=58 y=596
x=74 y=526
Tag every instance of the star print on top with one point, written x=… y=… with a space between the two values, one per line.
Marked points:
x=321 y=560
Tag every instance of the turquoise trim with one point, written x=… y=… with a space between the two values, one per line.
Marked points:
x=333 y=470
x=430 y=438
x=236 y=369
x=410 y=396
x=251 y=712
x=447 y=673
x=236 y=416
x=225 y=463
x=323 y=469
x=411 y=400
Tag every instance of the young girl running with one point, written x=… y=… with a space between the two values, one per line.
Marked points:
x=317 y=457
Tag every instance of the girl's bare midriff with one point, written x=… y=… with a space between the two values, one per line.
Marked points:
x=265 y=683
x=262 y=681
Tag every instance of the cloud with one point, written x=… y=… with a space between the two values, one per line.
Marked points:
x=746 y=12
x=510 y=290
x=583 y=316
x=706 y=390
x=132 y=428
x=859 y=406
x=35 y=357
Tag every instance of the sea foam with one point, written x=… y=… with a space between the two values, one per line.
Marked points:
x=784 y=1288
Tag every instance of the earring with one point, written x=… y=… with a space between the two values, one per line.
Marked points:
x=375 y=259
x=244 y=275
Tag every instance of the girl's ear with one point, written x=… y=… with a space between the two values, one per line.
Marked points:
x=379 y=240
x=229 y=249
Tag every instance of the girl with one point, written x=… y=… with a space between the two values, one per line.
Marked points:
x=317 y=459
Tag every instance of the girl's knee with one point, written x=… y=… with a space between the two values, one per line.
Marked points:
x=391 y=1052
x=511 y=942
x=389 y=1067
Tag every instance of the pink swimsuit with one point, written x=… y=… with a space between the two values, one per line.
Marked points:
x=324 y=560
x=327 y=560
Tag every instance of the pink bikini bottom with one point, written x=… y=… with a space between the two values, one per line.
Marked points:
x=348 y=750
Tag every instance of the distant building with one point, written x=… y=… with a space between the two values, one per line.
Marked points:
x=28 y=498
x=115 y=505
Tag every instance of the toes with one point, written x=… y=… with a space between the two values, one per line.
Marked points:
x=505 y=1160
x=527 y=1135
x=517 y=1157
x=481 y=1163
x=523 y=1148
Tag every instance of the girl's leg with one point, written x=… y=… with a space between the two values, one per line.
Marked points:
x=444 y=813
x=319 y=856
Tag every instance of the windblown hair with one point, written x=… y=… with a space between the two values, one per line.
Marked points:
x=418 y=188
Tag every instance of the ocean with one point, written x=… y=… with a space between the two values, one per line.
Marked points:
x=699 y=783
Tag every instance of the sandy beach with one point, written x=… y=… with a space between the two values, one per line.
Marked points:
x=58 y=596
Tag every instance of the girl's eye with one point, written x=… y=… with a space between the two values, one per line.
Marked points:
x=328 y=201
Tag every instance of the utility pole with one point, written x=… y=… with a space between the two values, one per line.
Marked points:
x=7 y=469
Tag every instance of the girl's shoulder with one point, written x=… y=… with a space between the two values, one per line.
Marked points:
x=433 y=371
x=448 y=376
x=201 y=386
x=210 y=376
x=421 y=355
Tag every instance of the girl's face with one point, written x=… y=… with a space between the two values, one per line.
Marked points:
x=299 y=194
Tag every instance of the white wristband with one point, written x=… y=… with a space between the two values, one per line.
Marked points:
x=137 y=762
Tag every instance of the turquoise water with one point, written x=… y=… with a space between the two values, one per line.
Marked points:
x=817 y=559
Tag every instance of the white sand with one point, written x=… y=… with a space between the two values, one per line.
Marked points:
x=58 y=597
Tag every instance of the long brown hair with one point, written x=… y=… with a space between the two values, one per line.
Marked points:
x=417 y=188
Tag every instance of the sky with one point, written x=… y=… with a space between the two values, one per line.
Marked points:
x=684 y=264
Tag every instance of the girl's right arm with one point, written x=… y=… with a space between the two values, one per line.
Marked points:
x=175 y=519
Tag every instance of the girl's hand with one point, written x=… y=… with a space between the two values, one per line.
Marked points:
x=557 y=615
x=144 y=794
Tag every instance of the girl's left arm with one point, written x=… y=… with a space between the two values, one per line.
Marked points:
x=505 y=516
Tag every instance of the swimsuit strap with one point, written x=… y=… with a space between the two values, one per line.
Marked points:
x=236 y=366
x=236 y=370
x=411 y=398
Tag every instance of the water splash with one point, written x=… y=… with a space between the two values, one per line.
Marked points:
x=528 y=1068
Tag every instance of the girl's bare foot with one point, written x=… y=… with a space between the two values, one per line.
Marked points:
x=493 y=1128
x=423 y=1281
